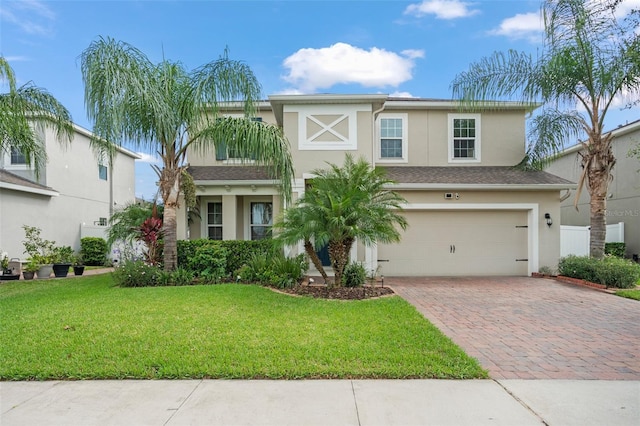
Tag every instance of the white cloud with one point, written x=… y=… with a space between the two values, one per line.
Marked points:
x=442 y=9
x=148 y=158
x=311 y=69
x=528 y=26
x=626 y=6
x=401 y=95
x=31 y=16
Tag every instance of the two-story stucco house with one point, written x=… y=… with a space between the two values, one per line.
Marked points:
x=623 y=202
x=469 y=211
x=74 y=189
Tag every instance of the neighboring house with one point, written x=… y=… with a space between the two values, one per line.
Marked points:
x=469 y=211
x=74 y=191
x=623 y=203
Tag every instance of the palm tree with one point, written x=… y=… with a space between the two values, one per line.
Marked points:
x=25 y=106
x=590 y=59
x=343 y=204
x=164 y=108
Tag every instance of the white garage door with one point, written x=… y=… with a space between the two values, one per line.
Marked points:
x=459 y=243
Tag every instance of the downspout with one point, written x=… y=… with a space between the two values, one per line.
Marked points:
x=110 y=189
x=371 y=253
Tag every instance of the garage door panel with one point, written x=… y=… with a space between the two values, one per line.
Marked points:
x=450 y=243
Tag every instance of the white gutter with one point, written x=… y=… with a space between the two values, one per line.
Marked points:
x=14 y=187
x=236 y=182
x=483 y=187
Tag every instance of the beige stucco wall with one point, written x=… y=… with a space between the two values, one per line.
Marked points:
x=623 y=204
x=83 y=197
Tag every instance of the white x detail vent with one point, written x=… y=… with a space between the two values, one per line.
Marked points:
x=328 y=127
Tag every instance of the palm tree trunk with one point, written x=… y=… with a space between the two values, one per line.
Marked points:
x=169 y=187
x=599 y=163
x=313 y=255
x=339 y=254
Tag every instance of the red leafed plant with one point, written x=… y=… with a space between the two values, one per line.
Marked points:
x=151 y=233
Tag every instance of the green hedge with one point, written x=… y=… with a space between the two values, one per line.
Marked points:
x=611 y=271
x=93 y=251
x=238 y=252
x=615 y=249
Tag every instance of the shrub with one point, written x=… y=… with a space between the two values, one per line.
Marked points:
x=610 y=271
x=179 y=277
x=287 y=271
x=238 y=252
x=136 y=274
x=94 y=251
x=209 y=261
x=615 y=249
x=355 y=275
x=277 y=270
x=63 y=254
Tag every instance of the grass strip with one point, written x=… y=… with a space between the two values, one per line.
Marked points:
x=86 y=328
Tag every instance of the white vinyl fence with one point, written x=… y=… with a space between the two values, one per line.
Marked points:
x=575 y=239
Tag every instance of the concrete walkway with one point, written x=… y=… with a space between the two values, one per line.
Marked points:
x=321 y=402
x=532 y=328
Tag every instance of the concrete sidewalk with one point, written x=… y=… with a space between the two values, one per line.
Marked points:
x=320 y=402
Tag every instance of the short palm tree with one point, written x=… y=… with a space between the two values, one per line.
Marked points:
x=590 y=60
x=165 y=109
x=25 y=109
x=344 y=204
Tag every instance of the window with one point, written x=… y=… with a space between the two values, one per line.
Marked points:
x=102 y=172
x=392 y=142
x=464 y=138
x=261 y=220
x=232 y=155
x=17 y=157
x=214 y=221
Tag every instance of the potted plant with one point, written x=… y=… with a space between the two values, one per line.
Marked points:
x=78 y=265
x=7 y=273
x=62 y=260
x=30 y=269
x=39 y=250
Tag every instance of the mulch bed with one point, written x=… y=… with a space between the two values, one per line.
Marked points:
x=340 y=293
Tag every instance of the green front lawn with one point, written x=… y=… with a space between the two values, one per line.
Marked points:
x=85 y=328
x=629 y=294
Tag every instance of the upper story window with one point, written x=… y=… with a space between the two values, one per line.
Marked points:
x=102 y=172
x=392 y=138
x=214 y=221
x=17 y=157
x=226 y=154
x=464 y=138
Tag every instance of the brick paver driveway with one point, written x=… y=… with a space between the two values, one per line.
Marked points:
x=528 y=328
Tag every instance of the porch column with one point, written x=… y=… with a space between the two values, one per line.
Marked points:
x=229 y=217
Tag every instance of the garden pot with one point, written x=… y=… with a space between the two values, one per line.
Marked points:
x=9 y=277
x=78 y=270
x=44 y=272
x=61 y=270
x=28 y=275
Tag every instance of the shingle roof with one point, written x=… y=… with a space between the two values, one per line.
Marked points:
x=13 y=179
x=472 y=175
x=227 y=173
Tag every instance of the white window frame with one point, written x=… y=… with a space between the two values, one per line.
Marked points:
x=106 y=172
x=477 y=142
x=247 y=212
x=237 y=160
x=405 y=138
x=215 y=225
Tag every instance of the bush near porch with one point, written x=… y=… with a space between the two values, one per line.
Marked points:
x=610 y=271
x=238 y=252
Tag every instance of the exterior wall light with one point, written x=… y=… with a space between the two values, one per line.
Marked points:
x=547 y=216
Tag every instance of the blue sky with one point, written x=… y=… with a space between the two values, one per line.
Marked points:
x=402 y=48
